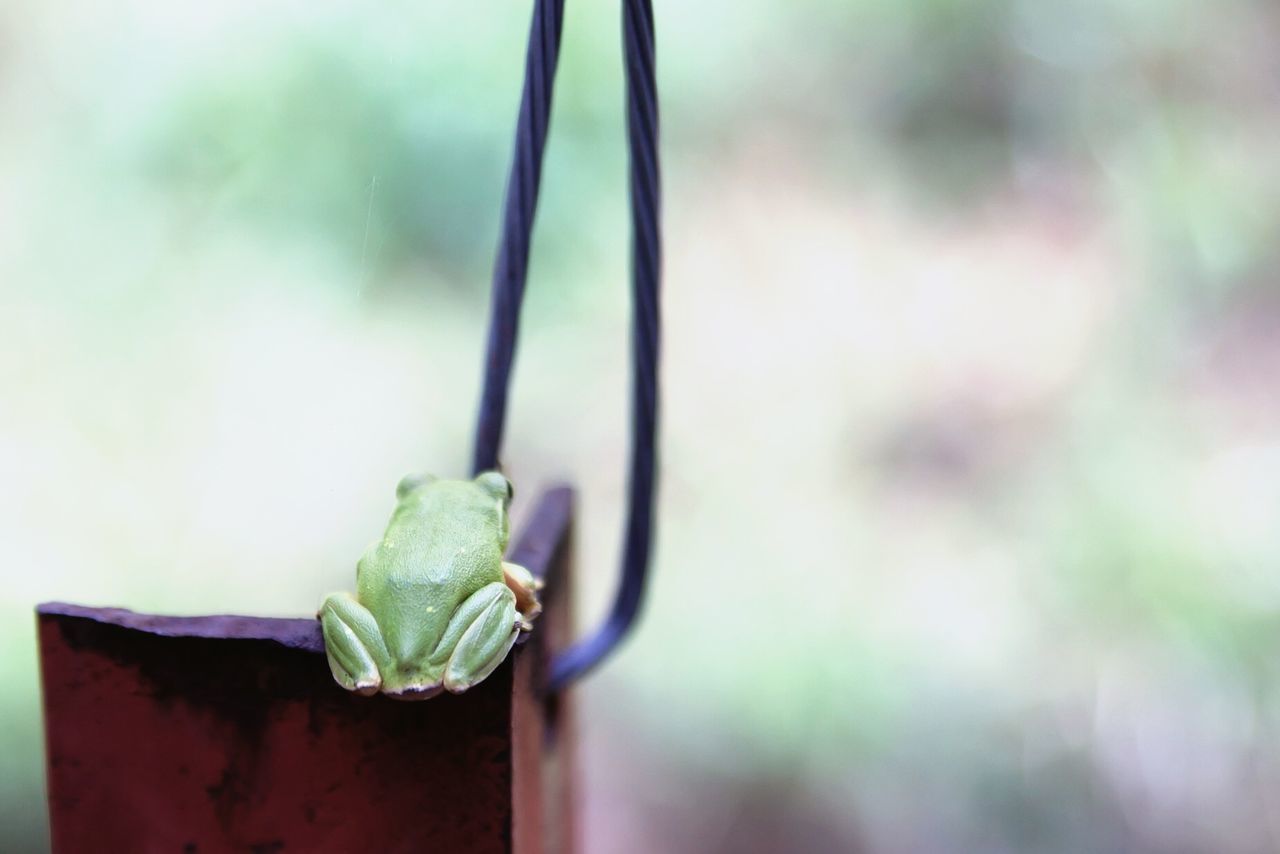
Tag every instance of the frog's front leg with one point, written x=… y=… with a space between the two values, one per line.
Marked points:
x=353 y=644
x=523 y=583
x=478 y=637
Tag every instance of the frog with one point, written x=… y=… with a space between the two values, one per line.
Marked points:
x=436 y=606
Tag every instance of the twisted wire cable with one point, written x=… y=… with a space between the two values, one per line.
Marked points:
x=510 y=273
x=511 y=268
x=646 y=273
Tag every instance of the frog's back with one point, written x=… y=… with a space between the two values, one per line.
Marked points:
x=443 y=543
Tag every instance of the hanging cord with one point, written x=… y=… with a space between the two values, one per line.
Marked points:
x=512 y=266
x=646 y=273
x=646 y=270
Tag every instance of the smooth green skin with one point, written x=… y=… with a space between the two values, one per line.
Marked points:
x=433 y=607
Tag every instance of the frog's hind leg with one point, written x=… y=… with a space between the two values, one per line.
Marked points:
x=353 y=644
x=488 y=637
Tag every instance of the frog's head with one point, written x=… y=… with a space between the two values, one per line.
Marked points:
x=485 y=498
x=497 y=486
x=500 y=492
x=411 y=483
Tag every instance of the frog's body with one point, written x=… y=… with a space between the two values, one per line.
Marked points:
x=435 y=605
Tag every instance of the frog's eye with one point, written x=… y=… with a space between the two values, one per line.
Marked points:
x=410 y=482
x=496 y=485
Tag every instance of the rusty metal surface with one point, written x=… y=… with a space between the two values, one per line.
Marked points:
x=543 y=727
x=227 y=733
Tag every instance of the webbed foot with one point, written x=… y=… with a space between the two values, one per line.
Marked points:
x=353 y=643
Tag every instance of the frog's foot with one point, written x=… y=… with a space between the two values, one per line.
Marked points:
x=478 y=637
x=415 y=692
x=525 y=587
x=353 y=643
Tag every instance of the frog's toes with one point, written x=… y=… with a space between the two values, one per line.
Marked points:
x=517 y=576
x=416 y=692
x=347 y=673
x=486 y=641
x=352 y=644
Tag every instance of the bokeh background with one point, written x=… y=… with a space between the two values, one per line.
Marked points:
x=971 y=455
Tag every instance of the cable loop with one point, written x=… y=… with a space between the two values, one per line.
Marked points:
x=511 y=271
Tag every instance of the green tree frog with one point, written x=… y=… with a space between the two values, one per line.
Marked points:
x=436 y=607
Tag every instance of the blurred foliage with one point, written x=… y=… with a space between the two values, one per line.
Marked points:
x=971 y=468
x=259 y=142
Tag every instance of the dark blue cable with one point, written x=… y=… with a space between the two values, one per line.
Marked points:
x=511 y=268
x=646 y=272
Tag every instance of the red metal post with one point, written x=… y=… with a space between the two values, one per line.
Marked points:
x=212 y=734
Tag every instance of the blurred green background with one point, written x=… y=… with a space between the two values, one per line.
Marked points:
x=972 y=440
